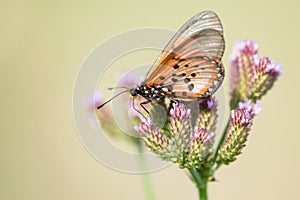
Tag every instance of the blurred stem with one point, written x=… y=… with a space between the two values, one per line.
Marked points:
x=201 y=183
x=146 y=180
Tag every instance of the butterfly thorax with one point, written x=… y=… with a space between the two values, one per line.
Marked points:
x=150 y=93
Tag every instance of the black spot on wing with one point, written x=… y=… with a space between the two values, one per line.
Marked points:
x=191 y=87
x=186 y=80
x=170 y=88
x=179 y=75
x=174 y=80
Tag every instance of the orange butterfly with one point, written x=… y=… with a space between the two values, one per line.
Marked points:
x=189 y=67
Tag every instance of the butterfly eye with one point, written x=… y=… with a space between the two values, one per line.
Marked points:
x=133 y=93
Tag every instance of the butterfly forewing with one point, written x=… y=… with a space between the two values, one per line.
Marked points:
x=190 y=66
x=202 y=33
x=207 y=43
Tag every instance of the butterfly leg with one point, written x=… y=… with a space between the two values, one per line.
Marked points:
x=133 y=106
x=144 y=103
x=172 y=102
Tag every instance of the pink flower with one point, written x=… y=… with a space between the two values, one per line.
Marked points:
x=250 y=77
x=237 y=132
x=179 y=141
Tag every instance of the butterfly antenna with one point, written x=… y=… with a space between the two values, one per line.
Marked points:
x=121 y=87
x=111 y=99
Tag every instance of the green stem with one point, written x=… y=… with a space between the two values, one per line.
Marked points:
x=203 y=192
x=220 y=143
x=146 y=180
x=148 y=187
x=201 y=183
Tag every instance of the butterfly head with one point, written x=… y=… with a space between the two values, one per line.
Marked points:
x=133 y=92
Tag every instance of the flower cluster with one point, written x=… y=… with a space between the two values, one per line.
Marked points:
x=106 y=117
x=250 y=76
x=237 y=132
x=181 y=141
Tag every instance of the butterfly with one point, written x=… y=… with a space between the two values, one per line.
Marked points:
x=189 y=67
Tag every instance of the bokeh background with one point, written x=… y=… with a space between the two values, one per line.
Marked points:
x=43 y=44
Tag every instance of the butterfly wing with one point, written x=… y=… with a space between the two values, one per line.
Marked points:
x=196 y=78
x=194 y=54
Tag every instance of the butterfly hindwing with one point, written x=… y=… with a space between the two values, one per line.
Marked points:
x=195 y=78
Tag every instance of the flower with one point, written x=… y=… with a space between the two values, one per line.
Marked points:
x=152 y=136
x=127 y=79
x=237 y=132
x=243 y=57
x=179 y=141
x=91 y=103
x=200 y=146
x=250 y=77
x=208 y=115
x=263 y=76
x=107 y=120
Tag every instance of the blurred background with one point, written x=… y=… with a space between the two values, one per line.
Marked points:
x=44 y=43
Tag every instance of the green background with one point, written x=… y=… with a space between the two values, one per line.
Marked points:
x=43 y=44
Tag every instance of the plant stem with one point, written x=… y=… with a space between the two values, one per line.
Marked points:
x=201 y=183
x=203 y=192
x=146 y=180
x=221 y=142
x=148 y=188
